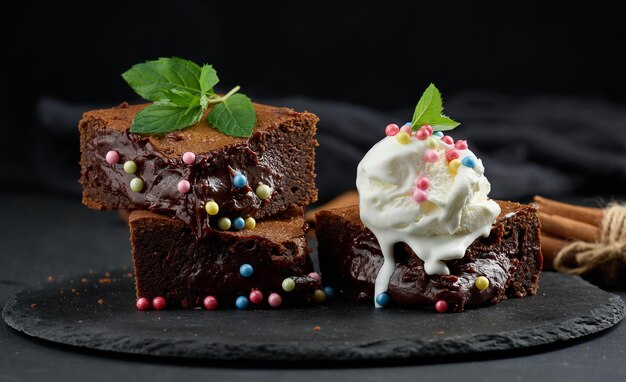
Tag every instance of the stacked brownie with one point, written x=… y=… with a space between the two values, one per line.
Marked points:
x=213 y=215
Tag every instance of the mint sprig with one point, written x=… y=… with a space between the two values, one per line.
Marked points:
x=182 y=91
x=429 y=111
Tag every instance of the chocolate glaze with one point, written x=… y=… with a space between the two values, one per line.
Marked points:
x=210 y=177
x=510 y=258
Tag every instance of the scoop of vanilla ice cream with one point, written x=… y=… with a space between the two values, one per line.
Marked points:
x=455 y=212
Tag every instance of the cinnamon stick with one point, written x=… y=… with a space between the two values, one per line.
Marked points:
x=587 y=215
x=565 y=228
x=550 y=247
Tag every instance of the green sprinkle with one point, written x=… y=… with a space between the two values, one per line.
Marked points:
x=130 y=167
x=224 y=224
x=288 y=284
x=263 y=191
x=136 y=184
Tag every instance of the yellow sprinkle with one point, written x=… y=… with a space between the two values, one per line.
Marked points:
x=224 y=223
x=250 y=223
x=431 y=143
x=319 y=295
x=211 y=208
x=454 y=166
x=136 y=184
x=482 y=283
x=130 y=167
x=263 y=191
x=403 y=138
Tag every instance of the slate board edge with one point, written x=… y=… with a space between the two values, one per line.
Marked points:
x=597 y=320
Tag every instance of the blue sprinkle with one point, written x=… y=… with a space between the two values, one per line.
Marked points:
x=382 y=299
x=438 y=133
x=330 y=292
x=246 y=270
x=239 y=180
x=408 y=124
x=238 y=224
x=242 y=302
x=469 y=162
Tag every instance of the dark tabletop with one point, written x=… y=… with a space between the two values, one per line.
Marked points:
x=45 y=236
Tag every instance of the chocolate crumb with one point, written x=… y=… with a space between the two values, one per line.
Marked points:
x=317 y=328
x=50 y=279
x=123 y=105
x=175 y=136
x=104 y=280
x=33 y=306
x=100 y=301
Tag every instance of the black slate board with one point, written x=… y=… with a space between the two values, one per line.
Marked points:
x=68 y=312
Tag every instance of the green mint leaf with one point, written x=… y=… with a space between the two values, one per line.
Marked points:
x=234 y=116
x=208 y=79
x=151 y=78
x=429 y=111
x=164 y=116
x=180 y=97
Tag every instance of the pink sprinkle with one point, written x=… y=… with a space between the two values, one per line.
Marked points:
x=274 y=300
x=421 y=134
x=461 y=144
x=447 y=139
x=428 y=128
x=441 y=306
x=422 y=183
x=143 y=304
x=315 y=275
x=419 y=196
x=452 y=154
x=392 y=129
x=112 y=157
x=256 y=296
x=210 y=302
x=407 y=129
x=431 y=156
x=159 y=303
x=189 y=157
x=184 y=186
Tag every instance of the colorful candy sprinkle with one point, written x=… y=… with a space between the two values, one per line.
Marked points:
x=441 y=306
x=183 y=186
x=143 y=304
x=431 y=143
x=454 y=166
x=238 y=224
x=112 y=157
x=159 y=303
x=263 y=191
x=242 y=302
x=189 y=157
x=452 y=154
x=330 y=292
x=256 y=296
x=438 y=134
x=422 y=183
x=392 y=129
x=274 y=300
x=461 y=144
x=410 y=124
x=469 y=162
x=481 y=283
x=431 y=156
x=421 y=134
x=224 y=223
x=210 y=302
x=288 y=284
x=130 y=167
x=447 y=139
x=428 y=128
x=419 y=196
x=250 y=223
x=319 y=295
x=211 y=208
x=246 y=270
x=136 y=184
x=403 y=138
x=239 y=180
x=315 y=276
x=383 y=299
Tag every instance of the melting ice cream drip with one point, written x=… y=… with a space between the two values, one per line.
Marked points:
x=438 y=218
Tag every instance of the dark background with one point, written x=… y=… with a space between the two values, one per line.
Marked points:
x=552 y=73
